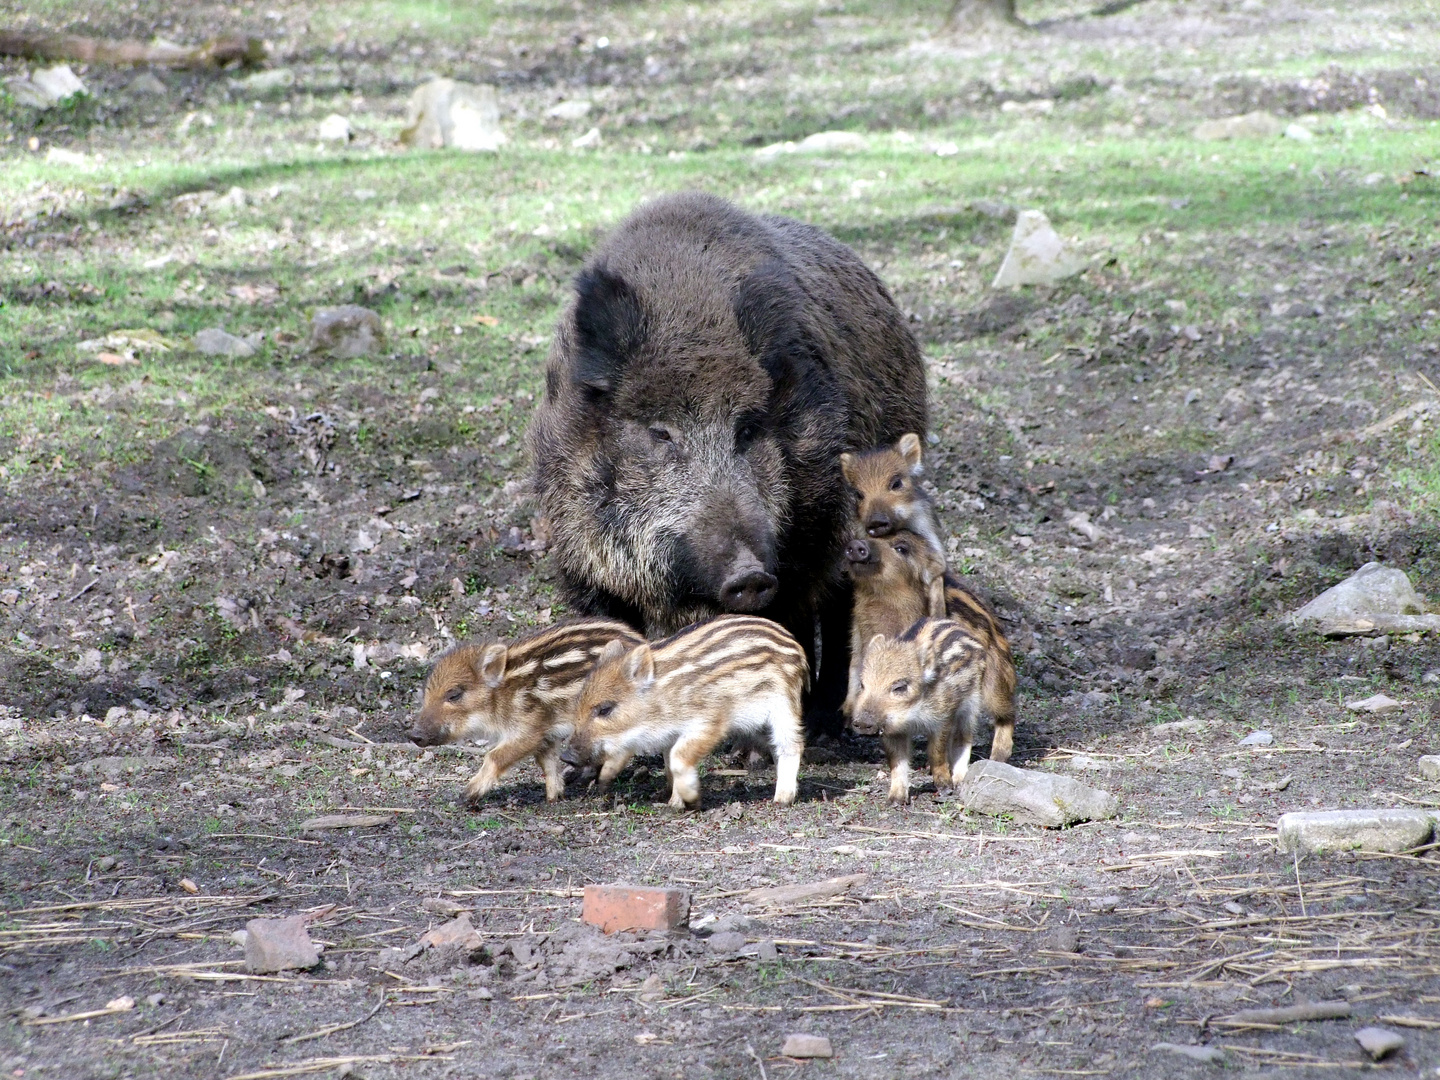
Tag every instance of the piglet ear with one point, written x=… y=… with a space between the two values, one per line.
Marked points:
x=492 y=665
x=847 y=467
x=640 y=667
x=610 y=326
x=614 y=650
x=909 y=447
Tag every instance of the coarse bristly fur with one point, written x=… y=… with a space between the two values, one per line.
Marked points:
x=928 y=682
x=701 y=386
x=737 y=674
x=520 y=696
x=885 y=485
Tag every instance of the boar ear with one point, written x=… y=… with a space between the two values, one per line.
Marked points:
x=492 y=665
x=614 y=650
x=640 y=666
x=909 y=447
x=609 y=328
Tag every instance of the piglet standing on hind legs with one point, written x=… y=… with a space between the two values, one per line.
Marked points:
x=520 y=696
x=929 y=681
x=738 y=674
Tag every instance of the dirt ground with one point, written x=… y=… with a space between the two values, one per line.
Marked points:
x=217 y=616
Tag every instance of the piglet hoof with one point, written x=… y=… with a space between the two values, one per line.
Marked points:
x=899 y=798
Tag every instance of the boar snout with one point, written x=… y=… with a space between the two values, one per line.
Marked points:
x=879 y=523
x=748 y=586
x=425 y=732
x=867 y=723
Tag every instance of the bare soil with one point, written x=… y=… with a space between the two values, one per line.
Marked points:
x=214 y=641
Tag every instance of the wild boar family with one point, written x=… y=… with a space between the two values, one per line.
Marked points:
x=729 y=451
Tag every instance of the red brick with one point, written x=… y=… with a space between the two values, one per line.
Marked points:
x=631 y=907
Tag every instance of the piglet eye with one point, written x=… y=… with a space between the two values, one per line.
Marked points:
x=899 y=688
x=897 y=483
x=455 y=694
x=902 y=549
x=604 y=709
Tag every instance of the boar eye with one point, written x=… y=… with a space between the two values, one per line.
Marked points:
x=604 y=709
x=455 y=694
x=897 y=483
x=900 y=688
x=660 y=434
x=746 y=432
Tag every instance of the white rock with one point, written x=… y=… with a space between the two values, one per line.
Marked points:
x=1319 y=832
x=263 y=83
x=1430 y=767
x=588 y=141
x=46 y=87
x=58 y=155
x=58 y=83
x=1379 y=1042
x=577 y=109
x=825 y=142
x=212 y=341
x=774 y=150
x=947 y=149
x=1377 y=703
x=1178 y=727
x=336 y=128
x=1371 y=591
x=445 y=113
x=1299 y=132
x=1037 y=255
x=991 y=787
x=1258 y=738
x=1253 y=125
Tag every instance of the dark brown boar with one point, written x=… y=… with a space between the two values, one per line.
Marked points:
x=701 y=386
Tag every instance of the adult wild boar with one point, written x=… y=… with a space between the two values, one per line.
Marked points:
x=701 y=386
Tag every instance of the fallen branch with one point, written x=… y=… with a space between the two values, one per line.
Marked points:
x=218 y=52
x=1289 y=1014
x=333 y=1028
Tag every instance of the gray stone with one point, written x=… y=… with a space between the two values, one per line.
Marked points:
x=1037 y=255
x=1188 y=726
x=1036 y=798
x=1374 y=598
x=827 y=142
x=146 y=84
x=1376 y=703
x=726 y=942
x=445 y=113
x=1252 y=125
x=1322 y=831
x=577 y=109
x=46 y=87
x=265 y=83
x=798 y=1045
x=766 y=950
x=1101 y=904
x=1379 y=1042
x=346 y=332
x=1258 y=738
x=1299 y=132
x=1430 y=767
x=1211 y=1054
x=212 y=341
x=278 y=945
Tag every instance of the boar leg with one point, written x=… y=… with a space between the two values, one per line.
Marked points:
x=897 y=756
x=787 y=738
x=963 y=736
x=940 y=740
x=548 y=758
x=611 y=769
x=497 y=763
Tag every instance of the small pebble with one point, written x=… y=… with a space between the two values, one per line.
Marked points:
x=1379 y=1042
x=1258 y=738
x=806 y=1046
